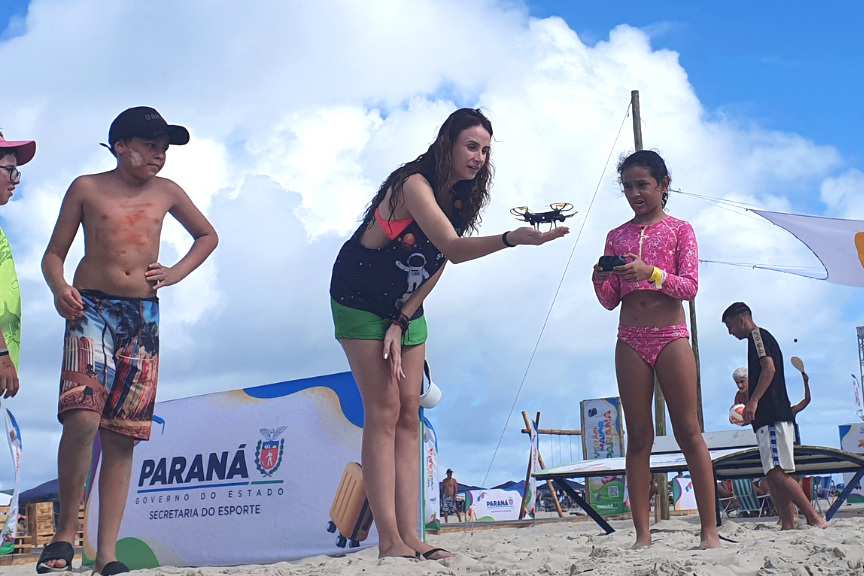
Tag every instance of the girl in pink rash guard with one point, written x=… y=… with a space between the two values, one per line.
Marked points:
x=661 y=271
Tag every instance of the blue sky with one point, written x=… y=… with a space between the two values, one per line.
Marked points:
x=792 y=66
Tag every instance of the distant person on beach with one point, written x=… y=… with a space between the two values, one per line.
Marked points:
x=114 y=293
x=449 y=488
x=13 y=153
x=661 y=270
x=769 y=412
x=421 y=217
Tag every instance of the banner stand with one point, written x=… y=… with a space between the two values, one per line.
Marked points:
x=603 y=437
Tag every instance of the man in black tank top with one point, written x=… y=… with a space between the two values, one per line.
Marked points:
x=769 y=412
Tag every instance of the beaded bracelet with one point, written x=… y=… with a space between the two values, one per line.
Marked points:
x=402 y=321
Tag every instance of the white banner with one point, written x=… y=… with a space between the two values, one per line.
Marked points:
x=250 y=476
x=682 y=493
x=837 y=243
x=431 y=477
x=491 y=505
x=13 y=436
x=852 y=440
x=529 y=500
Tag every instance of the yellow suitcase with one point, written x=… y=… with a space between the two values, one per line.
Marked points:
x=350 y=513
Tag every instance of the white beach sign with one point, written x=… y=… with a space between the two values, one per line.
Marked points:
x=245 y=476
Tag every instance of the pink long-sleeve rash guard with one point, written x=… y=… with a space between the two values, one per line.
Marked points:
x=669 y=244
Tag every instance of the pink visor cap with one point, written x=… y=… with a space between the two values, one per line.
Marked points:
x=25 y=149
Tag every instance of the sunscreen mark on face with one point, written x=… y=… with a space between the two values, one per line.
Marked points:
x=136 y=158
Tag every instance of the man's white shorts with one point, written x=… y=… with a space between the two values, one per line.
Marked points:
x=776 y=442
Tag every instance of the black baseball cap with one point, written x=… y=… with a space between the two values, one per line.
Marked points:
x=145 y=122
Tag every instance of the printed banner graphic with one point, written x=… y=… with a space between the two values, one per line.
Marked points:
x=491 y=505
x=13 y=436
x=601 y=429
x=859 y=397
x=852 y=440
x=251 y=476
x=602 y=437
x=682 y=493
x=431 y=478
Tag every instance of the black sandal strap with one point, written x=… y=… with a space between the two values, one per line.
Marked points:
x=55 y=551
x=115 y=567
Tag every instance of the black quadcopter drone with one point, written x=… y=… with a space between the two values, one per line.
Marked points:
x=560 y=212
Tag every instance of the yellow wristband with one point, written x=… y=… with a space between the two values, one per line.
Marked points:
x=656 y=277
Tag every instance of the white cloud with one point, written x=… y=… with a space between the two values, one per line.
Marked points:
x=299 y=110
x=842 y=194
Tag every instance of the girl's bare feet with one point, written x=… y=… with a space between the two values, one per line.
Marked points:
x=710 y=542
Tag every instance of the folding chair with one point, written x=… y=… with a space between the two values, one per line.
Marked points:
x=748 y=501
x=727 y=504
x=821 y=490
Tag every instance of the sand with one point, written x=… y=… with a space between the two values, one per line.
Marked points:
x=569 y=549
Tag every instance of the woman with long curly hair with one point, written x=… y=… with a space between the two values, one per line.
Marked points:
x=421 y=217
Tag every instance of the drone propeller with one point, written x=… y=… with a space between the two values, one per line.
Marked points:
x=561 y=206
x=519 y=210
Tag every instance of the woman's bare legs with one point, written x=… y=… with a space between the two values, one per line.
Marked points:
x=381 y=405
x=391 y=443
x=676 y=372
x=408 y=450
x=636 y=388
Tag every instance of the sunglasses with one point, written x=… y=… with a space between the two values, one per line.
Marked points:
x=14 y=173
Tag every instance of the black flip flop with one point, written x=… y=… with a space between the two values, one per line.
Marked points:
x=112 y=568
x=55 y=551
x=428 y=554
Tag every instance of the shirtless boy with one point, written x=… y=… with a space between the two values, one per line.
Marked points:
x=111 y=350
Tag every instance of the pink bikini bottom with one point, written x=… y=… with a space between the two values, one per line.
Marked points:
x=649 y=341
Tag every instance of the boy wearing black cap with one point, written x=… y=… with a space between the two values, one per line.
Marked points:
x=110 y=362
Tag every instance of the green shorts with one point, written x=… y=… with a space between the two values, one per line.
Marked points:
x=362 y=325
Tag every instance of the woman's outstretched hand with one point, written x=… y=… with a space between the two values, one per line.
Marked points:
x=393 y=350
x=529 y=236
x=635 y=271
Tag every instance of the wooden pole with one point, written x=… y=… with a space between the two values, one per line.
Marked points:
x=694 y=341
x=550 y=486
x=694 y=337
x=542 y=466
x=661 y=506
x=522 y=510
x=637 y=119
x=555 y=432
x=661 y=500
